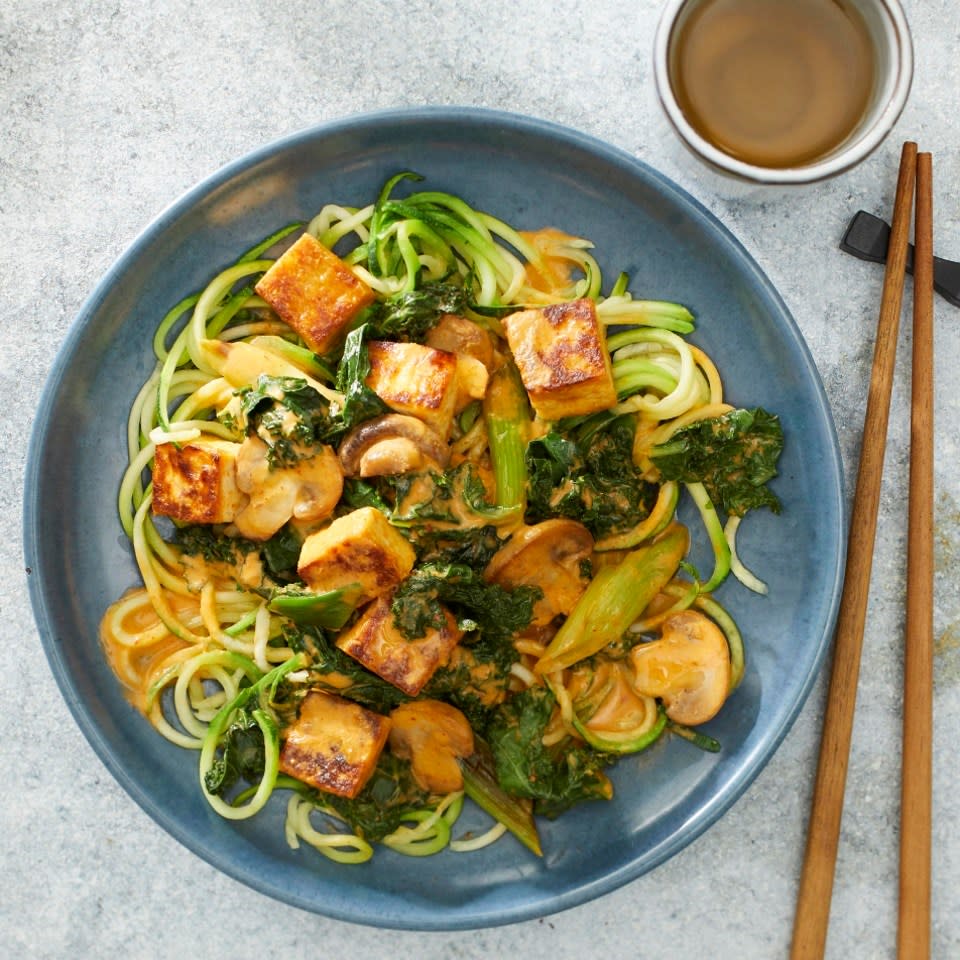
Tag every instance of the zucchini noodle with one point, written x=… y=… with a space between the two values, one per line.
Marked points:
x=224 y=645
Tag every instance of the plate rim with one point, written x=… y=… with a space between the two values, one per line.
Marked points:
x=719 y=803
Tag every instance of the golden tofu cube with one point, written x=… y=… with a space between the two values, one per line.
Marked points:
x=562 y=358
x=358 y=548
x=334 y=744
x=415 y=380
x=315 y=292
x=375 y=642
x=196 y=482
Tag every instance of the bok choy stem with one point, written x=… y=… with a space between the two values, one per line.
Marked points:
x=507 y=415
x=614 y=599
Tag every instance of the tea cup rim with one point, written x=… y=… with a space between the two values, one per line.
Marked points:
x=846 y=156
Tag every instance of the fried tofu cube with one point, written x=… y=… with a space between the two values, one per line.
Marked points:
x=416 y=380
x=334 y=744
x=358 y=548
x=315 y=292
x=196 y=482
x=375 y=642
x=562 y=358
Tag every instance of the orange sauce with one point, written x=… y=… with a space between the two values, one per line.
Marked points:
x=137 y=667
x=552 y=273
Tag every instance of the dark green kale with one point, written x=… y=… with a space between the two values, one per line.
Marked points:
x=733 y=455
x=289 y=415
x=242 y=755
x=360 y=402
x=588 y=474
x=282 y=551
x=436 y=501
x=439 y=493
x=411 y=315
x=473 y=546
x=361 y=493
x=499 y=613
x=554 y=777
x=203 y=540
x=380 y=807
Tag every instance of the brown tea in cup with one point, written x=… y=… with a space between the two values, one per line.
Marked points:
x=774 y=83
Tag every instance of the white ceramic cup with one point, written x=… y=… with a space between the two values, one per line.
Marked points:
x=893 y=49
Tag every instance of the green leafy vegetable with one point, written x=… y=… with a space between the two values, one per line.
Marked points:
x=554 y=777
x=242 y=755
x=360 y=402
x=733 y=455
x=410 y=315
x=282 y=551
x=380 y=807
x=473 y=546
x=494 y=610
x=588 y=475
x=438 y=495
x=289 y=415
x=204 y=540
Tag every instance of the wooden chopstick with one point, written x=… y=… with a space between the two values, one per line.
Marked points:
x=913 y=931
x=816 y=881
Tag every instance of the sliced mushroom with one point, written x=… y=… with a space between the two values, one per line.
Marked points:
x=431 y=735
x=473 y=348
x=393 y=443
x=688 y=668
x=307 y=491
x=548 y=555
x=461 y=336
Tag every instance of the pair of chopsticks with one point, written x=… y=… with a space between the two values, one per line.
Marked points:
x=816 y=882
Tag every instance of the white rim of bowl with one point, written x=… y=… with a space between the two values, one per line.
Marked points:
x=901 y=48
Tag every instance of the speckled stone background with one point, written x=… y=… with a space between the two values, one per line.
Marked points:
x=109 y=111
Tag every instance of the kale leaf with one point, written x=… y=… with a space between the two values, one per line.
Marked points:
x=439 y=493
x=380 y=806
x=499 y=613
x=360 y=402
x=473 y=546
x=242 y=755
x=280 y=553
x=412 y=314
x=289 y=415
x=588 y=474
x=206 y=541
x=361 y=493
x=733 y=455
x=554 y=777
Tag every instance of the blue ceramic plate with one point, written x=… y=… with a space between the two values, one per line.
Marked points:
x=532 y=174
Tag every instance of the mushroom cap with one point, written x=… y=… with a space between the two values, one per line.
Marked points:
x=688 y=668
x=357 y=449
x=308 y=490
x=547 y=555
x=431 y=734
x=463 y=337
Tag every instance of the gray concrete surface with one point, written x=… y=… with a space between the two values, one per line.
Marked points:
x=109 y=111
